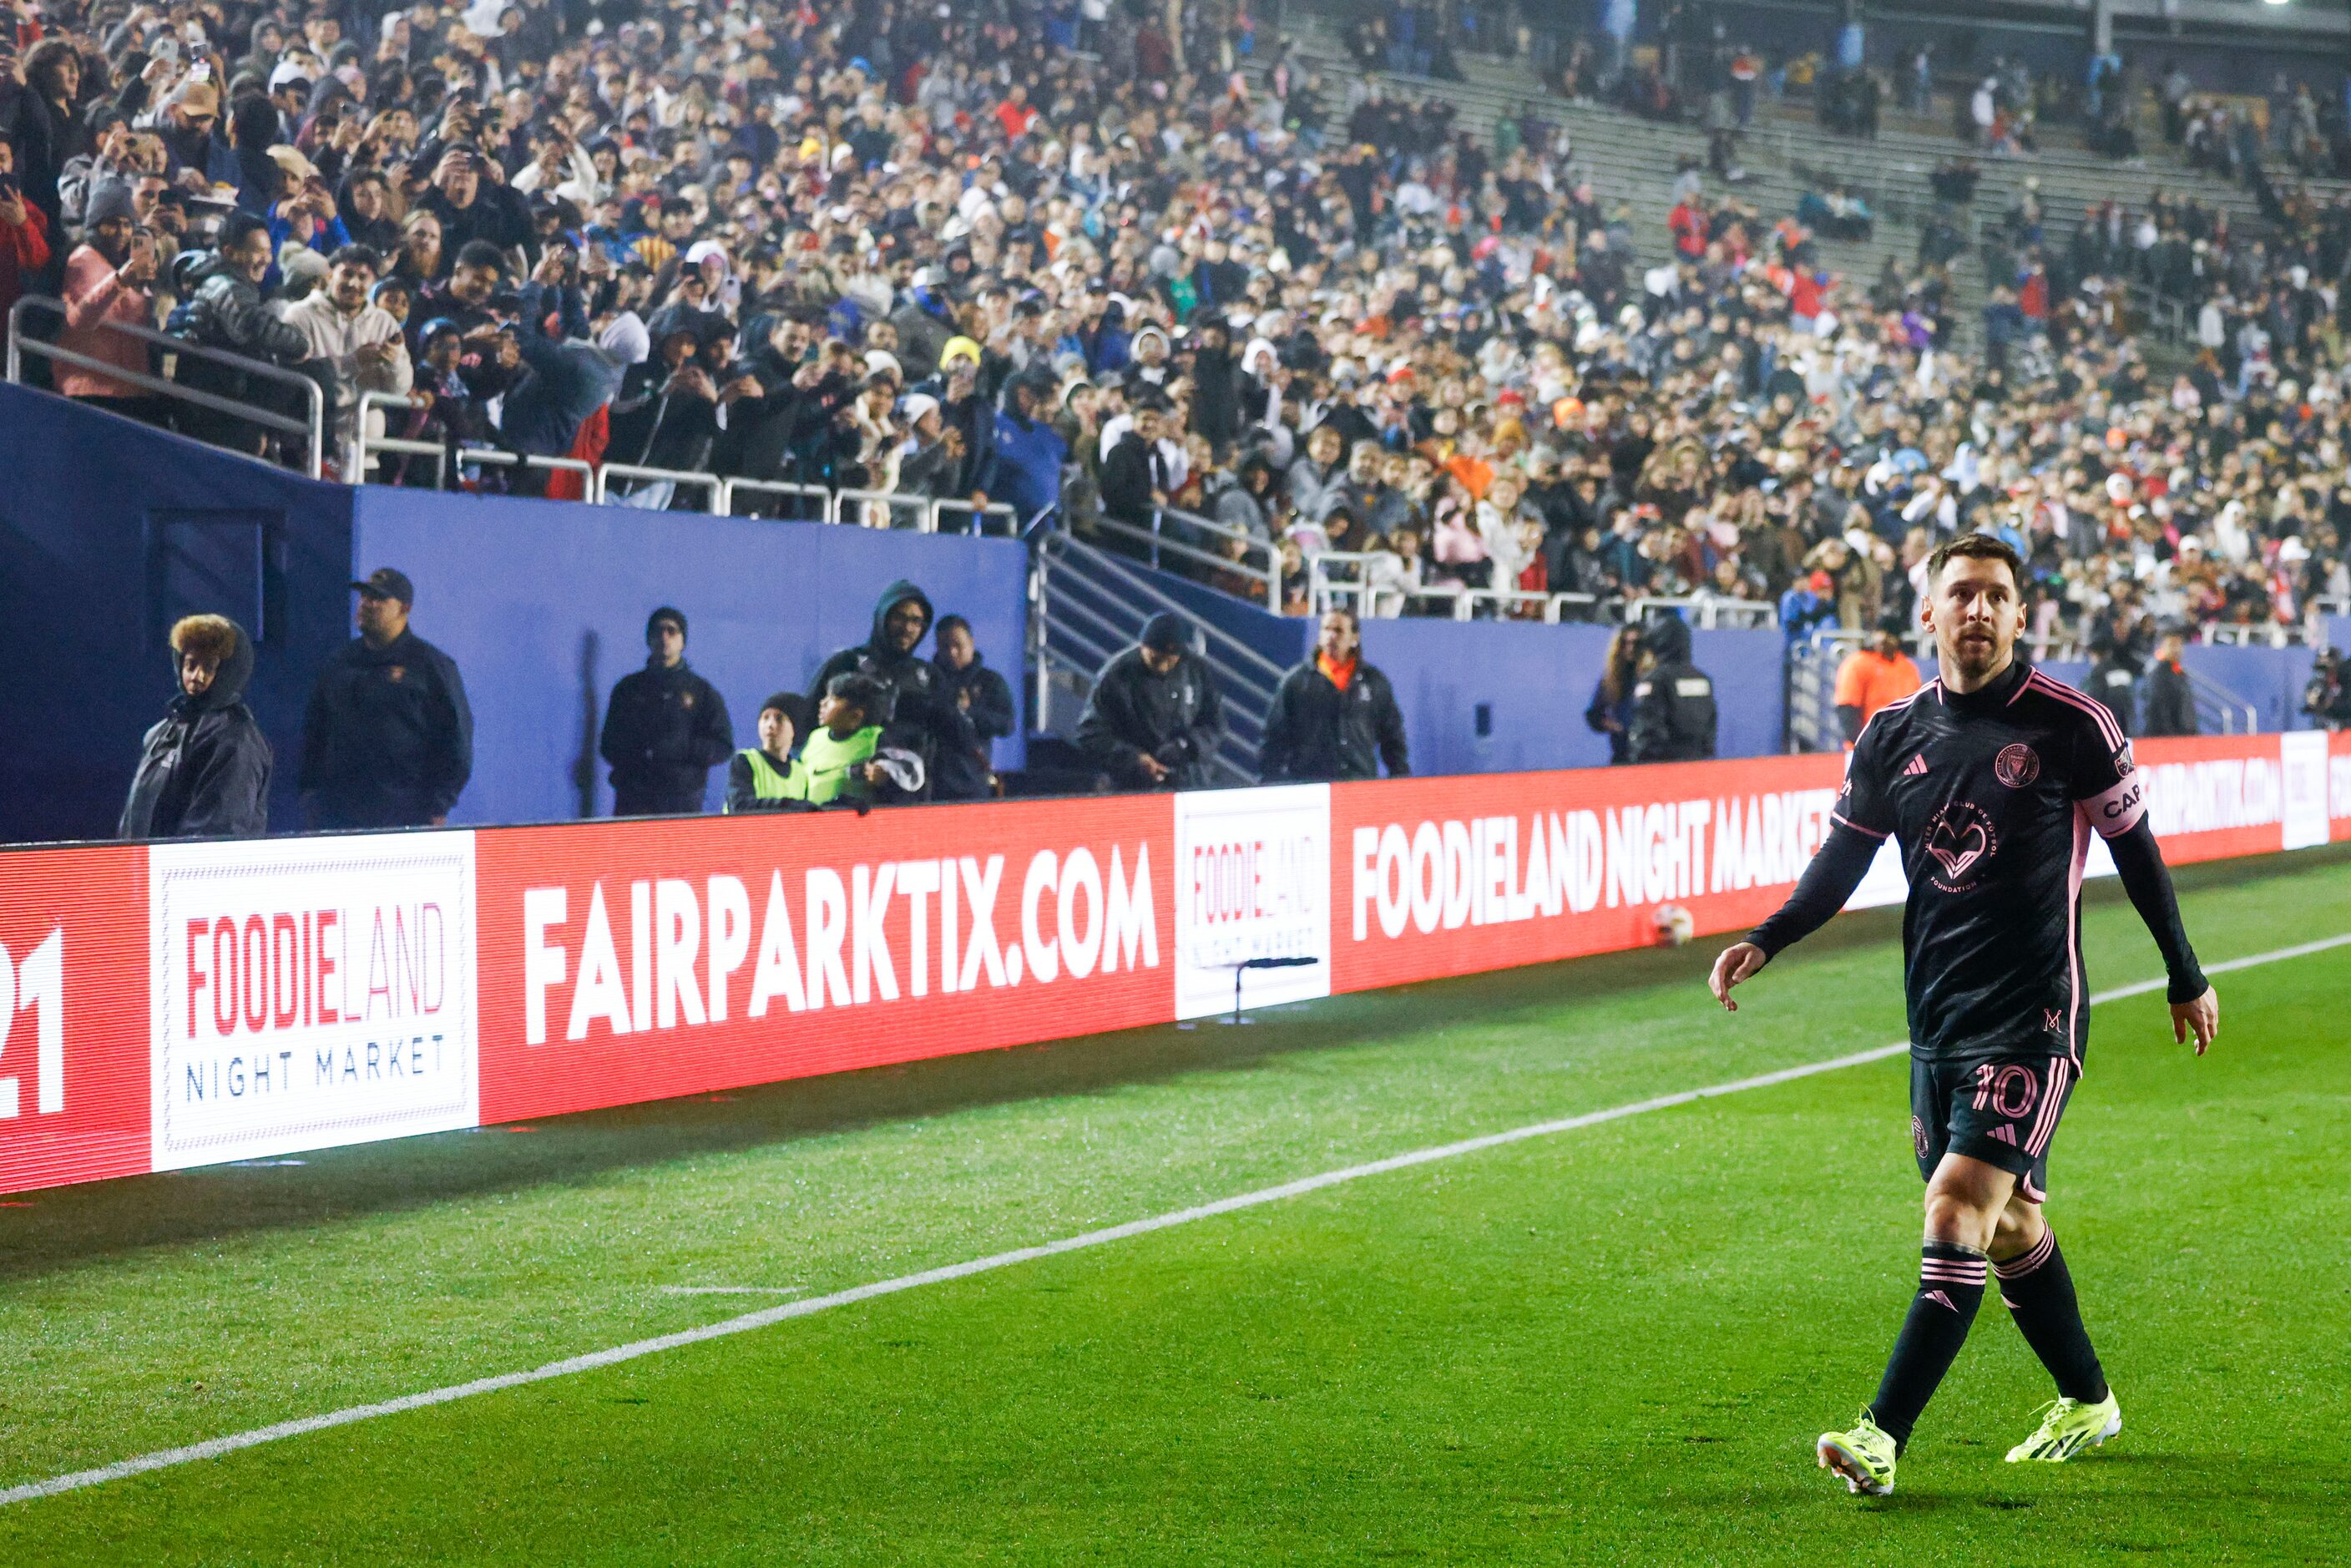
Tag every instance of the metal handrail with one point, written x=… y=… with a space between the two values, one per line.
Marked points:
x=2233 y=710
x=890 y=501
x=730 y=488
x=362 y=446
x=314 y=396
x=1465 y=605
x=604 y=473
x=1271 y=575
x=1162 y=602
x=1705 y=611
x=976 y=512
x=2232 y=635
x=1158 y=541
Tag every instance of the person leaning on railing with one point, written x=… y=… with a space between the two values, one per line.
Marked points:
x=223 y=310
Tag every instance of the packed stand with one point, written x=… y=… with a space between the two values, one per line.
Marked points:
x=1104 y=275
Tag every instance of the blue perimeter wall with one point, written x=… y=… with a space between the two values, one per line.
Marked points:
x=108 y=531
x=543 y=605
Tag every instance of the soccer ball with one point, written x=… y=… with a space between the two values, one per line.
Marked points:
x=1674 y=926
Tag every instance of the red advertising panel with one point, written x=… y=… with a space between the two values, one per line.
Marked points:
x=2212 y=796
x=73 y=1016
x=1445 y=876
x=628 y=961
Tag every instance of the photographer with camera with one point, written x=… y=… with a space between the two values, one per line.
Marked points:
x=2327 y=698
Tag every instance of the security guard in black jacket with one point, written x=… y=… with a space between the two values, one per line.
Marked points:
x=1155 y=719
x=664 y=729
x=1673 y=701
x=1333 y=716
x=387 y=741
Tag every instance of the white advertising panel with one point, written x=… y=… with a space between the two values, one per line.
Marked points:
x=2305 y=812
x=1253 y=879
x=309 y=993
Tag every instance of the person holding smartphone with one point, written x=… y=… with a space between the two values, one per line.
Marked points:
x=108 y=279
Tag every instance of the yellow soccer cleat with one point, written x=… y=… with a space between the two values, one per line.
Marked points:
x=1863 y=1457
x=2068 y=1426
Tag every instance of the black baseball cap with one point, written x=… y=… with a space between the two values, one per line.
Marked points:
x=384 y=583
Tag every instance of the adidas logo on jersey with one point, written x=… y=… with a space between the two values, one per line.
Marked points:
x=1916 y=766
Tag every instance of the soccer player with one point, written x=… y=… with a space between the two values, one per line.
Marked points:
x=1992 y=777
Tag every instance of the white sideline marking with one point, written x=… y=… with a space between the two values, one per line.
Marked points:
x=732 y=1290
x=213 y=1447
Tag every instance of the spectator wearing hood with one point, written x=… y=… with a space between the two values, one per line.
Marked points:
x=665 y=412
x=1673 y=702
x=664 y=729
x=975 y=703
x=204 y=771
x=925 y=321
x=1335 y=717
x=1155 y=719
x=911 y=685
x=1023 y=466
x=388 y=739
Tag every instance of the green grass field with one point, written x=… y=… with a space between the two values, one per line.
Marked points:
x=1613 y=1344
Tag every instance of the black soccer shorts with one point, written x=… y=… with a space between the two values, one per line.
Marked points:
x=2002 y=1110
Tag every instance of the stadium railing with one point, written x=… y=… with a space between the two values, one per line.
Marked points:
x=652 y=479
x=311 y=428
x=1705 y=612
x=1259 y=561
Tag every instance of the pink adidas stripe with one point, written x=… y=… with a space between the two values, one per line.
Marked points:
x=2072 y=699
x=2018 y=1268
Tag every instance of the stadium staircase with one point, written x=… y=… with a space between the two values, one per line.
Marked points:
x=1087 y=605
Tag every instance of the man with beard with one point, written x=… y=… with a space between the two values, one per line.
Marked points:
x=915 y=699
x=1992 y=778
x=189 y=124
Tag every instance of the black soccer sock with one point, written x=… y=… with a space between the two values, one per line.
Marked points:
x=1951 y=1289
x=2039 y=1293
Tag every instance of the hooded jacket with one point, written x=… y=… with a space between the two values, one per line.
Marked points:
x=203 y=772
x=912 y=681
x=1673 y=702
x=1177 y=717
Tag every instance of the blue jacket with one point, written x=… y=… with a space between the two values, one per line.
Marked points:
x=564 y=381
x=1024 y=468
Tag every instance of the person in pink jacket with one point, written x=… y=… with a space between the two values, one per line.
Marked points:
x=106 y=280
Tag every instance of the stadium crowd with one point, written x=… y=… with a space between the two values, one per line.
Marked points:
x=1090 y=263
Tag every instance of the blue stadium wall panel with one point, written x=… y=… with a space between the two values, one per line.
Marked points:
x=109 y=531
x=1492 y=696
x=543 y=605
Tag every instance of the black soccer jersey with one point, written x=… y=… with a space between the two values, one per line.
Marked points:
x=1992 y=797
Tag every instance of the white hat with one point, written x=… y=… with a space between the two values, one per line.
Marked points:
x=915 y=405
x=701 y=250
x=879 y=360
x=290 y=70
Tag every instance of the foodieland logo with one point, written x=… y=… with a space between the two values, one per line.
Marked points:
x=310 y=994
